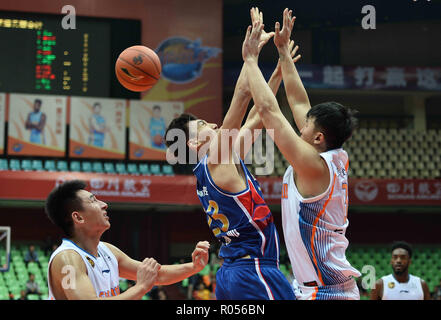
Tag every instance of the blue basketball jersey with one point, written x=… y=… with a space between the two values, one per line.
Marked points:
x=241 y=221
x=36 y=135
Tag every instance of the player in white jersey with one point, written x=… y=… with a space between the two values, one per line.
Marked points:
x=315 y=190
x=400 y=285
x=84 y=268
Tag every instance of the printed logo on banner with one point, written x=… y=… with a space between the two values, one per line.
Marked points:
x=366 y=190
x=182 y=59
x=17 y=147
x=393 y=187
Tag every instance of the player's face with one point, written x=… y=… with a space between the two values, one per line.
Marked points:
x=400 y=261
x=157 y=113
x=97 y=109
x=94 y=212
x=37 y=106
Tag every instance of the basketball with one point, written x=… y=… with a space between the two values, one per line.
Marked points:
x=138 y=68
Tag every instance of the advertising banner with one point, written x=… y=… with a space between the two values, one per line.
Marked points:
x=97 y=128
x=19 y=185
x=355 y=77
x=37 y=125
x=190 y=55
x=148 y=123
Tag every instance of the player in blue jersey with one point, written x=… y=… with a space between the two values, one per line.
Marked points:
x=35 y=122
x=231 y=197
x=97 y=125
x=157 y=128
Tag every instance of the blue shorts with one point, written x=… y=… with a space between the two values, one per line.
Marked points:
x=252 y=279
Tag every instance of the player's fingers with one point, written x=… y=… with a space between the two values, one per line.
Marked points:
x=253 y=15
x=285 y=17
x=257 y=29
x=203 y=244
x=247 y=33
x=156 y=267
x=293 y=52
x=290 y=45
x=297 y=58
x=277 y=29
x=199 y=251
x=261 y=16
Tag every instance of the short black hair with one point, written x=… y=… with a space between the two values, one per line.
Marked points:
x=62 y=201
x=156 y=107
x=402 y=245
x=180 y=123
x=336 y=121
x=38 y=100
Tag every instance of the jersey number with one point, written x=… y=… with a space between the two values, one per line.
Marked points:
x=213 y=214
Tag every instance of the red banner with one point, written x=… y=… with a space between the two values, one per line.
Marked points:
x=181 y=190
x=19 y=185
x=395 y=192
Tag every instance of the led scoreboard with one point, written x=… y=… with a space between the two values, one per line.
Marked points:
x=38 y=56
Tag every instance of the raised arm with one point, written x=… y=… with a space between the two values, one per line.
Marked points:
x=295 y=92
x=231 y=125
x=253 y=121
x=302 y=156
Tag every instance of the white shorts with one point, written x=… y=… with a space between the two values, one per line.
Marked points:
x=344 y=291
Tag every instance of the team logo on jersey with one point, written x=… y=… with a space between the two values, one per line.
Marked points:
x=391 y=285
x=91 y=262
x=202 y=192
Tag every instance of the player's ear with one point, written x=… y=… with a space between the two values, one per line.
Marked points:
x=77 y=217
x=319 y=138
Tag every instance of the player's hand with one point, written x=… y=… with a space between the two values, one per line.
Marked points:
x=282 y=37
x=147 y=273
x=200 y=255
x=252 y=45
x=293 y=50
x=257 y=15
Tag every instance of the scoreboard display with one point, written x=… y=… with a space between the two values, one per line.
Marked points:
x=39 y=56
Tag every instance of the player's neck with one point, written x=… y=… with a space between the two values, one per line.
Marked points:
x=402 y=278
x=87 y=243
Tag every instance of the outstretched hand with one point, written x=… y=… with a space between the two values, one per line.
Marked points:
x=257 y=15
x=252 y=44
x=282 y=37
x=293 y=50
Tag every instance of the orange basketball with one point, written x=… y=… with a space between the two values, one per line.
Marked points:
x=138 y=68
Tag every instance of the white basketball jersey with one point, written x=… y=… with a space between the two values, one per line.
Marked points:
x=394 y=290
x=102 y=270
x=314 y=228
